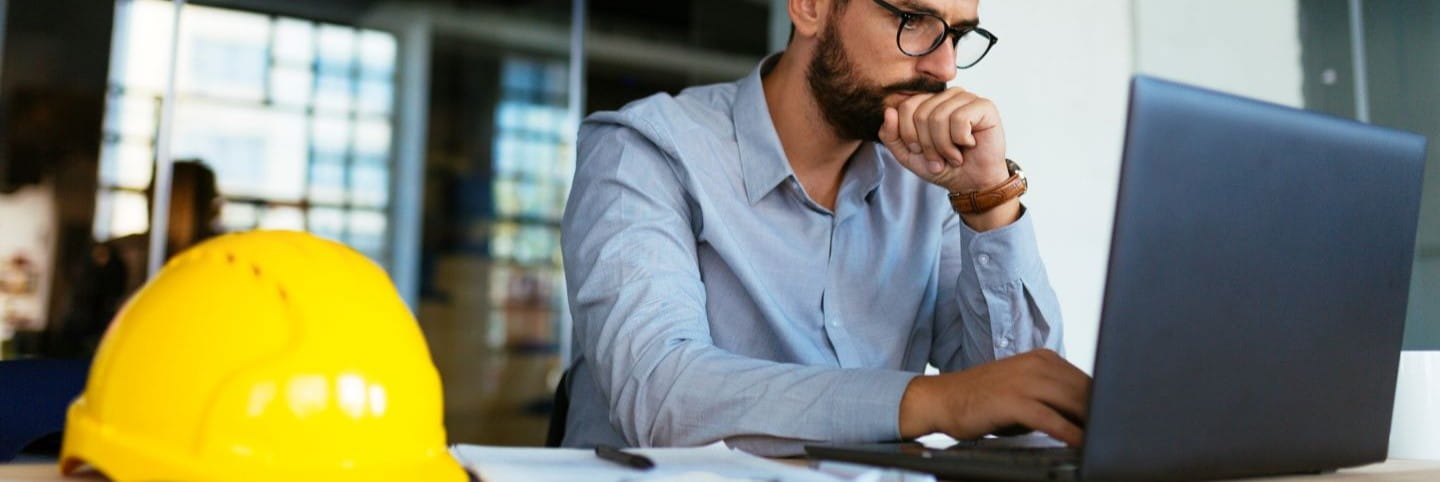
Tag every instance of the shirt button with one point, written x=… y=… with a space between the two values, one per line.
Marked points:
x=983 y=259
x=835 y=323
x=1004 y=343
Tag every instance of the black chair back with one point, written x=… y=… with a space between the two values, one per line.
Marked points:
x=34 y=396
x=556 y=434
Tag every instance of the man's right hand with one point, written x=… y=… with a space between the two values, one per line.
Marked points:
x=1037 y=390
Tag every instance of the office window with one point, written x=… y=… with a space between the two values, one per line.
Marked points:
x=533 y=166
x=293 y=116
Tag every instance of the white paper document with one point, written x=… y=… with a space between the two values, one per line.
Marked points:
x=711 y=463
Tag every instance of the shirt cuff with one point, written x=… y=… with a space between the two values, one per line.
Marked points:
x=1002 y=255
x=867 y=405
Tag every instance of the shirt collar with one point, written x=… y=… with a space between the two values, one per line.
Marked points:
x=762 y=158
x=865 y=171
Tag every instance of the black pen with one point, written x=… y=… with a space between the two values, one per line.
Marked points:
x=624 y=458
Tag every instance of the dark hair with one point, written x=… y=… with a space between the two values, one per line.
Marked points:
x=199 y=195
x=189 y=172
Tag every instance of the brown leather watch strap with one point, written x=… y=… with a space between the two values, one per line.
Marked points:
x=984 y=200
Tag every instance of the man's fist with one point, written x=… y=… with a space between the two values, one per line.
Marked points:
x=953 y=139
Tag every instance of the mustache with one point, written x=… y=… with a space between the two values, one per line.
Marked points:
x=918 y=84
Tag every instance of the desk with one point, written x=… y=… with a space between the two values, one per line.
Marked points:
x=41 y=471
x=1394 y=470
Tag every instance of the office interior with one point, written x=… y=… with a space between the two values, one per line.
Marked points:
x=437 y=137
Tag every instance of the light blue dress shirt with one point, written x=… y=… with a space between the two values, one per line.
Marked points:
x=713 y=300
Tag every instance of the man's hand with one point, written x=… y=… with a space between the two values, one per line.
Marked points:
x=953 y=139
x=1036 y=390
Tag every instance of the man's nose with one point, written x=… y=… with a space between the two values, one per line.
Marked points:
x=939 y=63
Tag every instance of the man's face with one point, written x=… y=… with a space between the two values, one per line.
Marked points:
x=857 y=70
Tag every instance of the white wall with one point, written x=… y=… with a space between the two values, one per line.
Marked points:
x=1242 y=47
x=1060 y=76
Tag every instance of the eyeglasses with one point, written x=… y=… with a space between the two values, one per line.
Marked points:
x=922 y=33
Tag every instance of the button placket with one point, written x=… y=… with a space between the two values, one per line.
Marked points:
x=829 y=315
x=833 y=317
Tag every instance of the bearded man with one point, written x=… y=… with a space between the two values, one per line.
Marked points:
x=774 y=261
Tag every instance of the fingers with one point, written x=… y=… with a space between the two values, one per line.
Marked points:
x=1037 y=389
x=933 y=119
x=932 y=131
x=1043 y=376
x=890 y=129
x=975 y=116
x=1072 y=404
x=1045 y=419
x=924 y=126
x=910 y=132
x=889 y=136
x=944 y=143
x=1072 y=383
x=1076 y=381
x=938 y=126
x=942 y=124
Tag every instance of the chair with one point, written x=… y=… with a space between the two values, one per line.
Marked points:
x=556 y=434
x=34 y=396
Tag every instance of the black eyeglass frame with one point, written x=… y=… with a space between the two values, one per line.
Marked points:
x=951 y=32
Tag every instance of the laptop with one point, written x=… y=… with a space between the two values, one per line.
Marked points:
x=1254 y=303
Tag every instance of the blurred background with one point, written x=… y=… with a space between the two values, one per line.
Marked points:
x=437 y=137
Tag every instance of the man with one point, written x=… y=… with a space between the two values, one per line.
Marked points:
x=772 y=262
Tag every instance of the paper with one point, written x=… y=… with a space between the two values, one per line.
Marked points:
x=866 y=473
x=711 y=463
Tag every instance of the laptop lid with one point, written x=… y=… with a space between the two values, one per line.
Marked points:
x=1256 y=293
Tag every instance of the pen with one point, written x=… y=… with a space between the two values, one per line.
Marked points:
x=624 y=458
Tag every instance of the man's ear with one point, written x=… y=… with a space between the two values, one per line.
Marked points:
x=808 y=16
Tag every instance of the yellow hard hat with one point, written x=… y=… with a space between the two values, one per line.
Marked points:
x=263 y=356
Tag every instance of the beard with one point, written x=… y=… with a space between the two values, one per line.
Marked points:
x=853 y=106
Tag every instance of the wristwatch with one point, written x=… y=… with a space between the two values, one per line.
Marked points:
x=984 y=200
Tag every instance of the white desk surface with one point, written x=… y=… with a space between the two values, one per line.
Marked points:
x=1395 y=470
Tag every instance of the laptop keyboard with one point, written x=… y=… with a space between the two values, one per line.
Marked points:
x=1011 y=455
